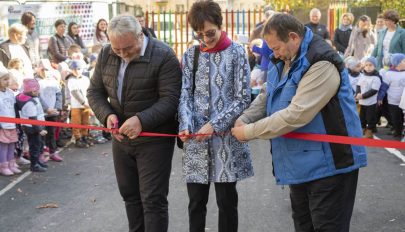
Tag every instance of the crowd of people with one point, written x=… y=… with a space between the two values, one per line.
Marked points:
x=368 y=52
x=297 y=77
x=50 y=89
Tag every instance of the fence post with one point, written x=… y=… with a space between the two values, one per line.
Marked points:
x=175 y=33
x=181 y=33
x=254 y=17
x=243 y=22
x=147 y=19
x=237 y=22
x=248 y=22
x=170 y=28
x=153 y=20
x=186 y=28
x=164 y=27
x=260 y=15
x=158 y=24
x=226 y=21
x=232 y=23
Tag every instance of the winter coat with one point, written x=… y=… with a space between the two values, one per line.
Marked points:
x=151 y=90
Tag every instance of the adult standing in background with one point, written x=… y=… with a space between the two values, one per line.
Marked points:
x=391 y=40
x=315 y=25
x=308 y=91
x=136 y=87
x=379 y=25
x=141 y=20
x=28 y=19
x=362 y=39
x=100 y=35
x=342 y=34
x=58 y=44
x=210 y=102
x=15 y=47
x=74 y=37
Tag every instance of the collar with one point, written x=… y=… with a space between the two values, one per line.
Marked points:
x=57 y=35
x=145 y=44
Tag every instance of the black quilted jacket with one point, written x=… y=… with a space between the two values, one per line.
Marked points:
x=151 y=89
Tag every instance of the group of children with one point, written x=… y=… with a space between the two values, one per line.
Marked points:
x=379 y=92
x=48 y=96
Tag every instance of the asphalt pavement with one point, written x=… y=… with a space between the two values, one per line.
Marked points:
x=80 y=194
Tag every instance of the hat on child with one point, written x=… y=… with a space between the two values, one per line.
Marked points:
x=351 y=62
x=3 y=71
x=30 y=85
x=397 y=58
x=77 y=64
x=372 y=60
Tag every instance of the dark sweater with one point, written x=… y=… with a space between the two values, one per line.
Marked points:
x=319 y=29
x=341 y=39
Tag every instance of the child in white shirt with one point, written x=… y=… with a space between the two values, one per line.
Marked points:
x=80 y=109
x=398 y=62
x=366 y=93
x=395 y=78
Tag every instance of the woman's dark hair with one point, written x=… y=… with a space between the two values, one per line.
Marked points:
x=391 y=15
x=59 y=22
x=98 y=35
x=70 y=32
x=27 y=17
x=283 y=24
x=202 y=11
x=364 y=18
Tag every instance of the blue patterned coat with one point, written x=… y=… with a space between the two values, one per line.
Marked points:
x=221 y=94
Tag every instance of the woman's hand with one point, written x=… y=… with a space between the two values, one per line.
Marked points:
x=206 y=132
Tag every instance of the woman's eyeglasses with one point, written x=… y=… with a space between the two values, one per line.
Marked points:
x=209 y=34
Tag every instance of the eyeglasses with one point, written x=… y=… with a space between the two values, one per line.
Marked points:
x=209 y=34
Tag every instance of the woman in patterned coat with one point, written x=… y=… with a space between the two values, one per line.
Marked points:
x=210 y=103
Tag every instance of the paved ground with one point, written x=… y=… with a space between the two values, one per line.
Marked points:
x=85 y=191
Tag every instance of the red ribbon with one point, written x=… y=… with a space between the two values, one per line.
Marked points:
x=293 y=135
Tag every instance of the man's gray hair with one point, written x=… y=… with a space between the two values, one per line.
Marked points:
x=315 y=11
x=123 y=24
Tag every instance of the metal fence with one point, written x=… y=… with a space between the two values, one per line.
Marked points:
x=174 y=29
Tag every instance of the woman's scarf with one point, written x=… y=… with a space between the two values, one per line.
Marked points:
x=345 y=27
x=223 y=43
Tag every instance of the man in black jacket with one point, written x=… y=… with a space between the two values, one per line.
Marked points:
x=316 y=26
x=136 y=87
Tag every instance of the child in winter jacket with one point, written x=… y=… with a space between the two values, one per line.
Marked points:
x=8 y=132
x=29 y=106
x=50 y=95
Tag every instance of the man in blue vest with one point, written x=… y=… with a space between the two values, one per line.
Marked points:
x=308 y=91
